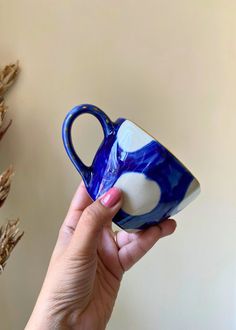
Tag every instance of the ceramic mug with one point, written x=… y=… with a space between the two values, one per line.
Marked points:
x=155 y=184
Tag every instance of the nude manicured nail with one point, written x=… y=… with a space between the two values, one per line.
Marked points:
x=111 y=198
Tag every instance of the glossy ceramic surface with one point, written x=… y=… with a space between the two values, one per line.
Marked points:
x=156 y=184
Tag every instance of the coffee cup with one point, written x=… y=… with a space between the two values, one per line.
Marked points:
x=155 y=184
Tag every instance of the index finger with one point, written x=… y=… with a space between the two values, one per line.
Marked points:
x=79 y=202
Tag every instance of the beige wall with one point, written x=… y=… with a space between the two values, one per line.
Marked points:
x=169 y=66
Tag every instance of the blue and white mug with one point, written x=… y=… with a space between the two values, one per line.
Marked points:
x=155 y=184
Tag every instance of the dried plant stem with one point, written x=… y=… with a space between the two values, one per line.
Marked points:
x=9 y=237
x=4 y=130
x=9 y=234
x=5 y=184
x=3 y=110
x=7 y=77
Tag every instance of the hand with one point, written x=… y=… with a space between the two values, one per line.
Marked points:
x=88 y=263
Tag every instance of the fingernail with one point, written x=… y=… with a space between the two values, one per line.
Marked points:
x=111 y=197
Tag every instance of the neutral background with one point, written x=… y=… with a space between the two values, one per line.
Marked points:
x=169 y=66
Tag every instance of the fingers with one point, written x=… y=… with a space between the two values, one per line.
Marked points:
x=167 y=227
x=92 y=220
x=134 y=246
x=123 y=237
x=79 y=202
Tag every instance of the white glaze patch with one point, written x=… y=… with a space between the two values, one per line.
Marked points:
x=132 y=138
x=140 y=194
x=191 y=193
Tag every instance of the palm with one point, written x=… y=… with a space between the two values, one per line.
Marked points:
x=113 y=257
x=107 y=281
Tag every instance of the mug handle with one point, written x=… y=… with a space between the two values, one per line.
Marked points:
x=107 y=126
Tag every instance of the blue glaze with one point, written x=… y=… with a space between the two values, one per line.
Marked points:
x=111 y=161
x=107 y=126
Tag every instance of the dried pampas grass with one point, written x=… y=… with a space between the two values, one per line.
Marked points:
x=9 y=237
x=9 y=233
x=3 y=110
x=7 y=77
x=5 y=184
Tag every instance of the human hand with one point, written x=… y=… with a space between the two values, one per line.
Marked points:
x=88 y=263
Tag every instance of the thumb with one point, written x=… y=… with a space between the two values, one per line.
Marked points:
x=93 y=218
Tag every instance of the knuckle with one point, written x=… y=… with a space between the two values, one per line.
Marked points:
x=129 y=256
x=91 y=213
x=93 y=217
x=66 y=230
x=142 y=248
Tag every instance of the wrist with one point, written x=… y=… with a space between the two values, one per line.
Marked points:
x=46 y=319
x=39 y=321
